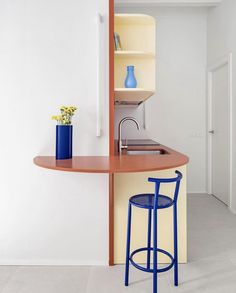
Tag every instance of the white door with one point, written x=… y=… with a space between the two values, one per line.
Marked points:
x=220 y=133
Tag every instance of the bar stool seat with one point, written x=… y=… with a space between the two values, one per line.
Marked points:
x=146 y=201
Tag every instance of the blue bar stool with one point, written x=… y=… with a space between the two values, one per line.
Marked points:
x=153 y=202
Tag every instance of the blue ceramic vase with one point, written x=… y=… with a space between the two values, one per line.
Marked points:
x=130 y=81
x=64 y=135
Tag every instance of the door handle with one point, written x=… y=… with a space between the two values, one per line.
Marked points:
x=211 y=131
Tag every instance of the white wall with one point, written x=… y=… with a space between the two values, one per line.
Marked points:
x=48 y=58
x=221 y=42
x=176 y=114
x=168 y=2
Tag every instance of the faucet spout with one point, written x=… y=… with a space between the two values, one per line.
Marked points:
x=120 y=145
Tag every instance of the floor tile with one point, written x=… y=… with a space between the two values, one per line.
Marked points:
x=6 y=272
x=48 y=279
x=107 y=280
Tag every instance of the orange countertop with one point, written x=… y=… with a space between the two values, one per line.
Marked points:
x=115 y=164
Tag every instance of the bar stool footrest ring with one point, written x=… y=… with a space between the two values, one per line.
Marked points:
x=149 y=270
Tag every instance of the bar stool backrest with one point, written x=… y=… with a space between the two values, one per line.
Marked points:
x=159 y=181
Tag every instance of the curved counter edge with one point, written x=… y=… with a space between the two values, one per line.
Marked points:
x=115 y=164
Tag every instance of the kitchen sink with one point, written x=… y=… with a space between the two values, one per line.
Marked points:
x=146 y=152
x=141 y=142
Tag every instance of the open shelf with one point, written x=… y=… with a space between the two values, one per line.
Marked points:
x=132 y=96
x=134 y=54
x=136 y=31
x=133 y=19
x=137 y=34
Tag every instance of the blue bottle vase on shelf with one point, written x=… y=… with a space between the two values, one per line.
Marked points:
x=130 y=81
x=64 y=135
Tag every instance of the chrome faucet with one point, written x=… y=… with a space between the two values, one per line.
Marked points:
x=120 y=145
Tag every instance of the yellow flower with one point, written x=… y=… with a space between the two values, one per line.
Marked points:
x=66 y=115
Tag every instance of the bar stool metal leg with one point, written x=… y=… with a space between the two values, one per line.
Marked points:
x=149 y=237
x=128 y=245
x=155 y=250
x=154 y=202
x=176 y=281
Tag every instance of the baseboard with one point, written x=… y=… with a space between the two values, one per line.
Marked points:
x=232 y=211
x=51 y=262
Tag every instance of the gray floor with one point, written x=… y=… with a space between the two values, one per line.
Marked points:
x=211 y=267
